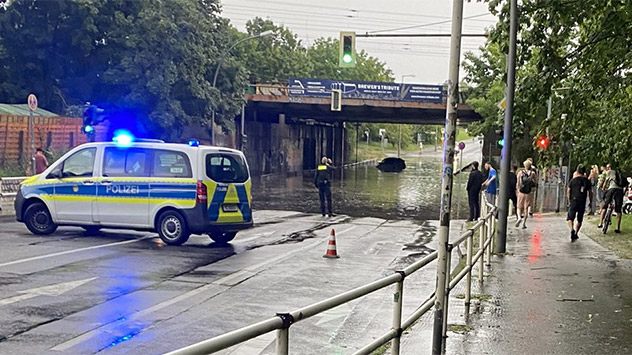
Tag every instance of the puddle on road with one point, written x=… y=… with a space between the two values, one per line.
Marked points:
x=366 y=192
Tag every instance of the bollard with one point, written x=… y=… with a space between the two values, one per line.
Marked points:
x=397 y=314
x=490 y=236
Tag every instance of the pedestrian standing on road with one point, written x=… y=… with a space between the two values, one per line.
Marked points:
x=41 y=163
x=615 y=183
x=474 y=186
x=513 y=197
x=491 y=184
x=525 y=184
x=593 y=177
x=322 y=181
x=534 y=190
x=579 y=189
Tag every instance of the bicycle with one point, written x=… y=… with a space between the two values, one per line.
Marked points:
x=607 y=219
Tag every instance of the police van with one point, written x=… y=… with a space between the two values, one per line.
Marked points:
x=174 y=189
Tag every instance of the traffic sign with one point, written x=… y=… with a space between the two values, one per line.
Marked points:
x=502 y=104
x=32 y=102
x=461 y=145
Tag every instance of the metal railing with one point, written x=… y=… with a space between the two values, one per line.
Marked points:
x=9 y=186
x=283 y=321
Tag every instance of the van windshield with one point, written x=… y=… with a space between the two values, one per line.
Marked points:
x=227 y=168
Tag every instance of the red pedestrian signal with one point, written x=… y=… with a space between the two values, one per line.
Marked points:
x=543 y=142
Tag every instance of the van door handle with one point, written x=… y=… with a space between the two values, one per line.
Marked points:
x=106 y=182
x=88 y=182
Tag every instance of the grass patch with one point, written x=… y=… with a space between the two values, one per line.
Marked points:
x=459 y=328
x=620 y=244
x=382 y=349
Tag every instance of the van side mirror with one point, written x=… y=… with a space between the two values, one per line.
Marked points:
x=55 y=174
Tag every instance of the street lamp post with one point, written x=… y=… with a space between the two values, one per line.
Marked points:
x=219 y=65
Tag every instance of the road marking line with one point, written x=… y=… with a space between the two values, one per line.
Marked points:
x=73 y=251
x=85 y=336
x=238 y=277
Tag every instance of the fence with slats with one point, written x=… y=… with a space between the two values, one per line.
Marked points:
x=57 y=134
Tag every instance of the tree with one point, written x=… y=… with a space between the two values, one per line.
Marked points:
x=153 y=59
x=580 y=46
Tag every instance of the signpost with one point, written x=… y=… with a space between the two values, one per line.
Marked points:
x=32 y=103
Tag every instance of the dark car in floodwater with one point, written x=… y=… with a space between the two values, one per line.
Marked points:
x=392 y=165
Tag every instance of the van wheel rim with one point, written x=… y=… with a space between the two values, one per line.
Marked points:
x=40 y=220
x=171 y=228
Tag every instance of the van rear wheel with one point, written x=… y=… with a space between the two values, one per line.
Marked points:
x=38 y=220
x=222 y=237
x=172 y=228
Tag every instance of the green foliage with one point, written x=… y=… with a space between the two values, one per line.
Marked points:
x=578 y=53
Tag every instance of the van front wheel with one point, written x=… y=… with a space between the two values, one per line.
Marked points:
x=38 y=219
x=222 y=237
x=172 y=228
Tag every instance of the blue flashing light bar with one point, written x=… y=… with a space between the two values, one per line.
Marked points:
x=194 y=143
x=123 y=138
x=88 y=129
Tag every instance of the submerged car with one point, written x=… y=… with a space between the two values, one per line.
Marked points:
x=392 y=165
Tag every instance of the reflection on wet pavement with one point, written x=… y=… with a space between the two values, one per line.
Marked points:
x=366 y=192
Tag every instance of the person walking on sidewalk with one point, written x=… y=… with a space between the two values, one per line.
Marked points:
x=577 y=192
x=513 y=197
x=524 y=185
x=474 y=186
x=41 y=163
x=593 y=177
x=322 y=180
x=491 y=184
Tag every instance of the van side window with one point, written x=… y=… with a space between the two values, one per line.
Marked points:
x=79 y=164
x=125 y=162
x=226 y=168
x=171 y=164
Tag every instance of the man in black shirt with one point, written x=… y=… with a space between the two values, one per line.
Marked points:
x=322 y=180
x=578 y=190
x=474 y=185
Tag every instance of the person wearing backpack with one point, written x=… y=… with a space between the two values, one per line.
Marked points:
x=615 y=184
x=525 y=184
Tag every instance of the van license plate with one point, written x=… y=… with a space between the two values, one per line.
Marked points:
x=230 y=208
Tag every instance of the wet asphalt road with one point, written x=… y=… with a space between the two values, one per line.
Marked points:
x=125 y=292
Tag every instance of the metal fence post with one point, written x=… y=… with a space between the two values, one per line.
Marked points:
x=481 y=243
x=446 y=301
x=468 y=280
x=283 y=334
x=490 y=236
x=398 y=299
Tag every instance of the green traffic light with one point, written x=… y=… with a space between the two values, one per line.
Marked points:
x=501 y=142
x=347 y=58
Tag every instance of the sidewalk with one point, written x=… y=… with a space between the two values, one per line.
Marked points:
x=551 y=296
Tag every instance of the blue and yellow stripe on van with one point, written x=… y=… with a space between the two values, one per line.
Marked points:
x=234 y=194
x=180 y=193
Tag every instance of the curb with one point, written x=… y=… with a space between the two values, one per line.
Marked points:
x=7 y=218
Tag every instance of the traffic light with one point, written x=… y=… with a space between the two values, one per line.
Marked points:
x=543 y=142
x=336 y=100
x=501 y=142
x=92 y=115
x=347 y=50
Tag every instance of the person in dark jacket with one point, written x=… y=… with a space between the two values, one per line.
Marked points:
x=474 y=185
x=322 y=180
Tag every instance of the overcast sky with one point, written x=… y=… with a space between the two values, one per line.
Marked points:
x=425 y=58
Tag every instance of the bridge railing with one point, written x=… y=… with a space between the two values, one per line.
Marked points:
x=9 y=186
x=282 y=322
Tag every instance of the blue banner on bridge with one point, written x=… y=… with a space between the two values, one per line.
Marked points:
x=366 y=90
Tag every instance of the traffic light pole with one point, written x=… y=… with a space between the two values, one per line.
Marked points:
x=446 y=178
x=503 y=203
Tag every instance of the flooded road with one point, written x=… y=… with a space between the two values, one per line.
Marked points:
x=364 y=191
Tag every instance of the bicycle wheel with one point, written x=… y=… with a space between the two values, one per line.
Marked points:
x=607 y=220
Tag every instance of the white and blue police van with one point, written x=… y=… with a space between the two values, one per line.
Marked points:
x=173 y=189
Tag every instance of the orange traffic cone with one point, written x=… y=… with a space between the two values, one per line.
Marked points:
x=331 y=246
